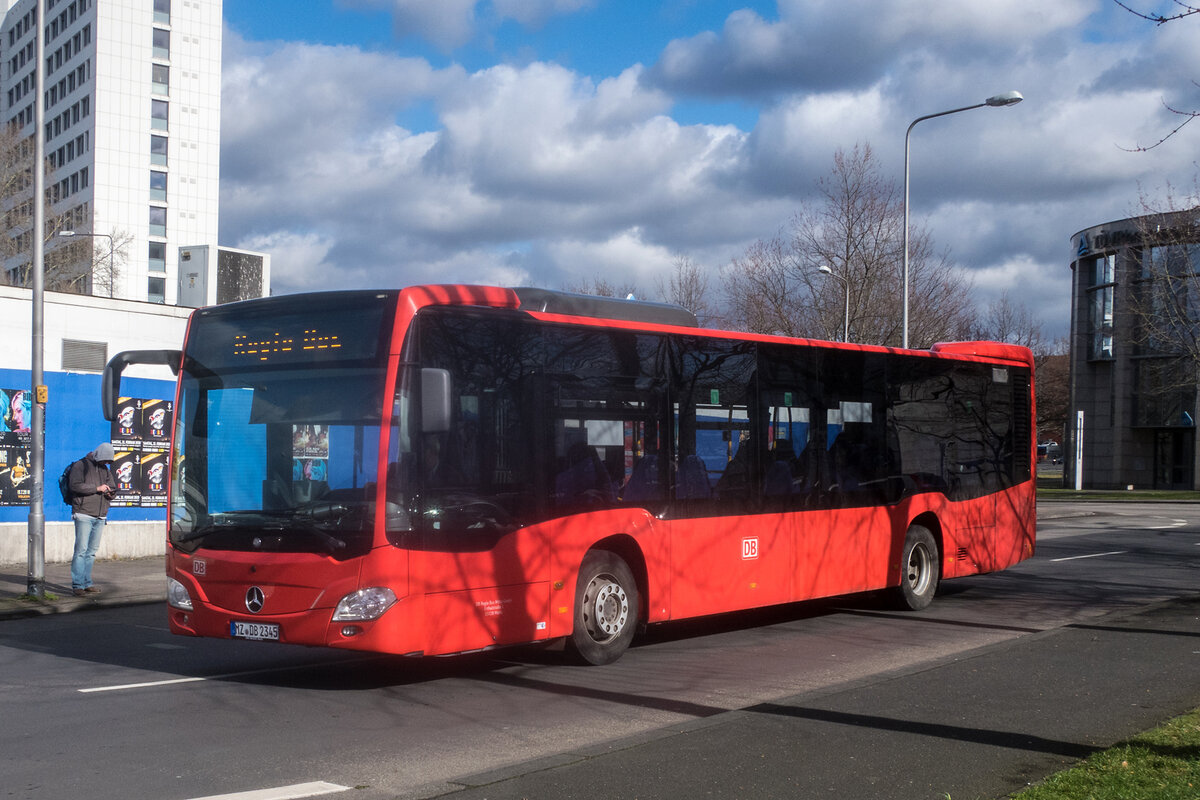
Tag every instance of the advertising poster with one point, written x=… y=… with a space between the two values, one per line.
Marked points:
x=127 y=427
x=15 y=480
x=154 y=479
x=127 y=470
x=16 y=414
x=157 y=421
x=141 y=435
x=310 y=452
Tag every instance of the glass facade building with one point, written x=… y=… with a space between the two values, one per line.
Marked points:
x=1135 y=354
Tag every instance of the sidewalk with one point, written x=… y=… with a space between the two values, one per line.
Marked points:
x=121 y=581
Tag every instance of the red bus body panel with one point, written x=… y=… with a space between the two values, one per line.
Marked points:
x=521 y=587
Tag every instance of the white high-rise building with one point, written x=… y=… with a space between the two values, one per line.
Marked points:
x=133 y=133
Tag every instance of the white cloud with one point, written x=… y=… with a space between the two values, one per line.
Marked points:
x=371 y=169
x=534 y=13
x=450 y=24
x=836 y=44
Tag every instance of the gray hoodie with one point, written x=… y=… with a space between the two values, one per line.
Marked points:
x=88 y=473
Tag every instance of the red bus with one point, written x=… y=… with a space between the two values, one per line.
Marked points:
x=443 y=469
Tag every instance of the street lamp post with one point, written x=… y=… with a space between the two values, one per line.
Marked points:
x=825 y=270
x=111 y=274
x=997 y=101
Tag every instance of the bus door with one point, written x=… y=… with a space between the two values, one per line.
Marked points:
x=847 y=546
x=727 y=552
x=482 y=569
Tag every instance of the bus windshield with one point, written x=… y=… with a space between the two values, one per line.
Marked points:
x=277 y=444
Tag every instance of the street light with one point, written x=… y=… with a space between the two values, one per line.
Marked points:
x=112 y=276
x=997 y=101
x=823 y=269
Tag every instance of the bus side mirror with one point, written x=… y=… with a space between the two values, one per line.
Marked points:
x=435 y=400
x=110 y=387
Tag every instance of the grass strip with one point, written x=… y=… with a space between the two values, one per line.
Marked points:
x=1139 y=496
x=1161 y=764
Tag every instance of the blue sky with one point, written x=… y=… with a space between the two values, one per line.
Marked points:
x=549 y=142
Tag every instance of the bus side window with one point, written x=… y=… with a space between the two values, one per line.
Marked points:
x=714 y=382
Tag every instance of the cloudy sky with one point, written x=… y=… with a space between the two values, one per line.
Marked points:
x=383 y=143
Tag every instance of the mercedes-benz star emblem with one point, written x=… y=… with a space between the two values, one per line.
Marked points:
x=254 y=599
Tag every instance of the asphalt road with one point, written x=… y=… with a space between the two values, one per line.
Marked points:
x=1006 y=678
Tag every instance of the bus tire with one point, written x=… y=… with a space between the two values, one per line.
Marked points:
x=919 y=569
x=606 y=609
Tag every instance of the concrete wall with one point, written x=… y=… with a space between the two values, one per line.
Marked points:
x=120 y=540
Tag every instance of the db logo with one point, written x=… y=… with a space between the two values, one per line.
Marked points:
x=749 y=548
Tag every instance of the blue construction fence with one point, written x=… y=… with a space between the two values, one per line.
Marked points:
x=75 y=425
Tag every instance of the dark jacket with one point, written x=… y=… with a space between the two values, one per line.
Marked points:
x=86 y=475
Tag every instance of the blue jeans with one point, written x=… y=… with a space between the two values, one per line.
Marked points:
x=87 y=542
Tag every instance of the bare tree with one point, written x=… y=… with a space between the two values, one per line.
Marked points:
x=1052 y=385
x=602 y=288
x=85 y=264
x=1010 y=321
x=76 y=266
x=765 y=291
x=1164 y=303
x=856 y=229
x=1181 y=10
x=687 y=285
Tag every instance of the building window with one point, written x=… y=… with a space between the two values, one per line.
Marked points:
x=1101 y=282
x=156 y=290
x=162 y=10
x=158 y=221
x=158 y=150
x=1164 y=393
x=158 y=114
x=1103 y=270
x=1175 y=260
x=1100 y=320
x=158 y=186
x=158 y=257
x=160 y=79
x=162 y=43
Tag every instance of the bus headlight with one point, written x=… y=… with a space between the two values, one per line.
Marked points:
x=365 y=604
x=177 y=595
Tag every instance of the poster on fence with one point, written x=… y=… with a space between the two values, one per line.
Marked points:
x=16 y=483
x=141 y=435
x=16 y=414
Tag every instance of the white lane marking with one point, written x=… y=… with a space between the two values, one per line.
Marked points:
x=1175 y=523
x=139 y=685
x=1091 y=555
x=281 y=792
x=151 y=684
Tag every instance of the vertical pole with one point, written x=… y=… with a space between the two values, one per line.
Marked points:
x=904 y=263
x=1079 y=451
x=36 y=578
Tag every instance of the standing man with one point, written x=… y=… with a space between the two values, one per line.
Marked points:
x=91 y=482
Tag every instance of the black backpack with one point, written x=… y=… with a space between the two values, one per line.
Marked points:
x=64 y=483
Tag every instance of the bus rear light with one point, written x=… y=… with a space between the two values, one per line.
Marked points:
x=177 y=595
x=365 y=604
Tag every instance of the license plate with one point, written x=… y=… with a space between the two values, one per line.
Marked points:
x=260 y=631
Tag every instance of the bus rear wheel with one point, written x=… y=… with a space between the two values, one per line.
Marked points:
x=606 y=609
x=919 y=571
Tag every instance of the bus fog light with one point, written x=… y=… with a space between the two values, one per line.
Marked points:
x=351 y=630
x=365 y=604
x=177 y=595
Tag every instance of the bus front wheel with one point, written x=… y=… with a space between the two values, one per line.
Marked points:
x=606 y=609
x=918 y=569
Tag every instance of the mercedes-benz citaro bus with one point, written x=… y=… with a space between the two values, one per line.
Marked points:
x=442 y=469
